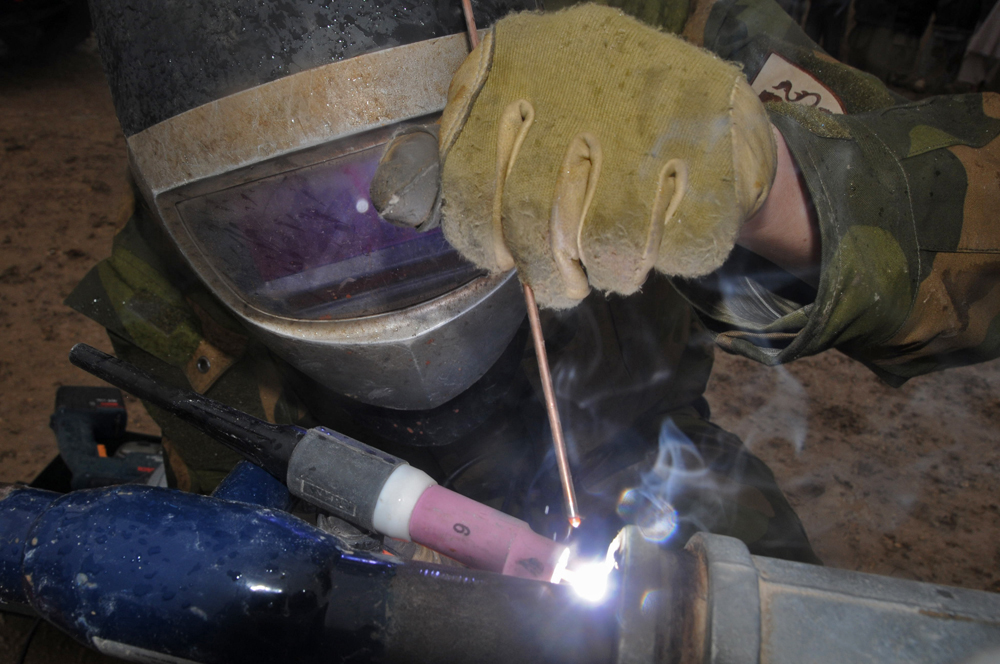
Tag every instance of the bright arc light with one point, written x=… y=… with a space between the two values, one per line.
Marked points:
x=590 y=579
x=361 y=205
x=559 y=573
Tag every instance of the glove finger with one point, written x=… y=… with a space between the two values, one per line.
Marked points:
x=405 y=189
x=621 y=246
x=574 y=192
x=541 y=224
x=612 y=249
x=515 y=122
x=463 y=91
x=469 y=169
x=729 y=181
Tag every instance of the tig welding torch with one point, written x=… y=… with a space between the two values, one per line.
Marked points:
x=352 y=480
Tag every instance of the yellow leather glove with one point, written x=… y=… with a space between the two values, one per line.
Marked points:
x=586 y=148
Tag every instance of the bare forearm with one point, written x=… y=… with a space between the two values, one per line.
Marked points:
x=785 y=230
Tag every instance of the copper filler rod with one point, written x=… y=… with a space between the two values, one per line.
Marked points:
x=558 y=442
x=470 y=23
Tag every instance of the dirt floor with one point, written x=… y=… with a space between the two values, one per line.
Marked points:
x=903 y=482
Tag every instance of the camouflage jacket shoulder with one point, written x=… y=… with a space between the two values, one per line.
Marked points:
x=167 y=324
x=902 y=193
x=132 y=294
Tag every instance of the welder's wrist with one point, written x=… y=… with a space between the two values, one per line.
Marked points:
x=785 y=230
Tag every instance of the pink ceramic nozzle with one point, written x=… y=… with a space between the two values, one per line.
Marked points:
x=483 y=537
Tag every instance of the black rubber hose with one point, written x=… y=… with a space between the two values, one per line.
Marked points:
x=265 y=444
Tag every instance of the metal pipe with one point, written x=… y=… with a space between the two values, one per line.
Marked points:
x=139 y=572
x=249 y=483
x=19 y=508
x=715 y=603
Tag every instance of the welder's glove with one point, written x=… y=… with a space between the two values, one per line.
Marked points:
x=586 y=148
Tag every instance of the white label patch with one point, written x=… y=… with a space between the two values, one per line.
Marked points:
x=780 y=80
x=136 y=654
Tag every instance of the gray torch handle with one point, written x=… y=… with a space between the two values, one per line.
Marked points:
x=340 y=474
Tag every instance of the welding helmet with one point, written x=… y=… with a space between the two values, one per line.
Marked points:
x=253 y=130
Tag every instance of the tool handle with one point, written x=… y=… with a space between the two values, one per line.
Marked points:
x=267 y=445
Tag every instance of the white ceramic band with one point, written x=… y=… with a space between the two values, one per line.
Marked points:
x=398 y=498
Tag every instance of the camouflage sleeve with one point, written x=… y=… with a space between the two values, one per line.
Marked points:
x=902 y=191
x=175 y=331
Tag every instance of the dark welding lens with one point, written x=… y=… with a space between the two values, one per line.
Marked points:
x=308 y=244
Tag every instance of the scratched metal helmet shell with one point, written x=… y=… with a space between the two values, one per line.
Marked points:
x=253 y=130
